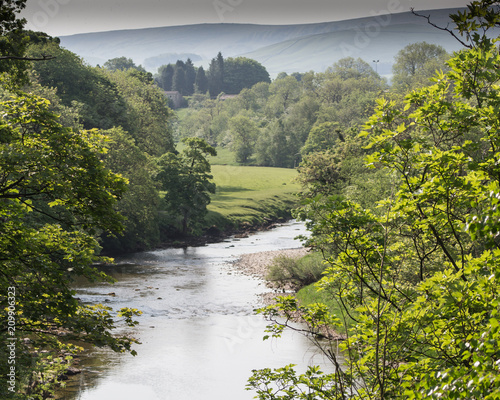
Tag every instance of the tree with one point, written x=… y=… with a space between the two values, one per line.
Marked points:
x=179 y=78
x=13 y=40
x=166 y=75
x=139 y=205
x=242 y=72
x=148 y=114
x=122 y=64
x=190 y=77
x=416 y=63
x=416 y=272
x=284 y=92
x=349 y=68
x=77 y=84
x=244 y=133
x=186 y=179
x=216 y=75
x=55 y=197
x=201 y=81
x=321 y=138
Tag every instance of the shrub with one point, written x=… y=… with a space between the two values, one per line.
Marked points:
x=296 y=272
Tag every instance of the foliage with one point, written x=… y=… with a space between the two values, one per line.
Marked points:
x=122 y=64
x=125 y=99
x=297 y=272
x=165 y=76
x=417 y=63
x=241 y=73
x=148 y=115
x=55 y=196
x=216 y=75
x=13 y=40
x=322 y=137
x=244 y=133
x=224 y=75
x=186 y=179
x=99 y=103
x=139 y=205
x=416 y=272
x=293 y=118
x=200 y=81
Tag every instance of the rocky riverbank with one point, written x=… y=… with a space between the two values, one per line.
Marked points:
x=257 y=265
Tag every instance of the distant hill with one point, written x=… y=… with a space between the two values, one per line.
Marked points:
x=289 y=48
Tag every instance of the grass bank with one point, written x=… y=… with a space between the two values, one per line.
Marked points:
x=251 y=196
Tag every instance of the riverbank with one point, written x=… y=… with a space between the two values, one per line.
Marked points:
x=215 y=234
x=257 y=265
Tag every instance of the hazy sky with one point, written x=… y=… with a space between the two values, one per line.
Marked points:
x=65 y=17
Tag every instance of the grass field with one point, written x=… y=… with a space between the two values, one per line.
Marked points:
x=224 y=157
x=251 y=195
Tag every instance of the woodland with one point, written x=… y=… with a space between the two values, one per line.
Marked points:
x=400 y=190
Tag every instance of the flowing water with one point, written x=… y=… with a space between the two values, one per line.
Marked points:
x=200 y=337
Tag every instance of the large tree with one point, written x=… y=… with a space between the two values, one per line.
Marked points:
x=165 y=77
x=139 y=205
x=190 y=73
x=242 y=72
x=416 y=64
x=244 y=132
x=56 y=196
x=201 y=81
x=122 y=64
x=186 y=179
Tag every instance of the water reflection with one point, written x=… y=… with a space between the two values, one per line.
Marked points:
x=200 y=337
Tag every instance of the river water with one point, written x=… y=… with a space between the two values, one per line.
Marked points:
x=200 y=337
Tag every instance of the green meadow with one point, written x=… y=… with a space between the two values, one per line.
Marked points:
x=251 y=195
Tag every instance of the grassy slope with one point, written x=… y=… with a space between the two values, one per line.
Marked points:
x=251 y=195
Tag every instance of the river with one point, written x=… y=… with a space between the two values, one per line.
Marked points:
x=200 y=337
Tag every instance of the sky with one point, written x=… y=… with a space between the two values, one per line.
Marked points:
x=66 y=17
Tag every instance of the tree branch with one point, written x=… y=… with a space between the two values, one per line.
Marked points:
x=43 y=58
x=428 y=18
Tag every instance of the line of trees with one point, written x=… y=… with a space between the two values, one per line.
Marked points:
x=229 y=75
x=277 y=124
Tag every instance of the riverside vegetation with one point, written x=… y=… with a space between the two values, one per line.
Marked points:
x=412 y=259
x=398 y=185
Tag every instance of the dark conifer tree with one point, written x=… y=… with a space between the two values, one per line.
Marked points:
x=165 y=76
x=201 y=81
x=179 y=80
x=190 y=77
x=216 y=75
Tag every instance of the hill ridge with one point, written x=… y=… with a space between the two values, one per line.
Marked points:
x=261 y=41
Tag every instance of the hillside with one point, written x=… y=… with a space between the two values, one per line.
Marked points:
x=288 y=48
x=317 y=52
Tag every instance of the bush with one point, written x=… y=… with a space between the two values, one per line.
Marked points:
x=297 y=272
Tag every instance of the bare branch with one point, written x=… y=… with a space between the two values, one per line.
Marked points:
x=450 y=31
